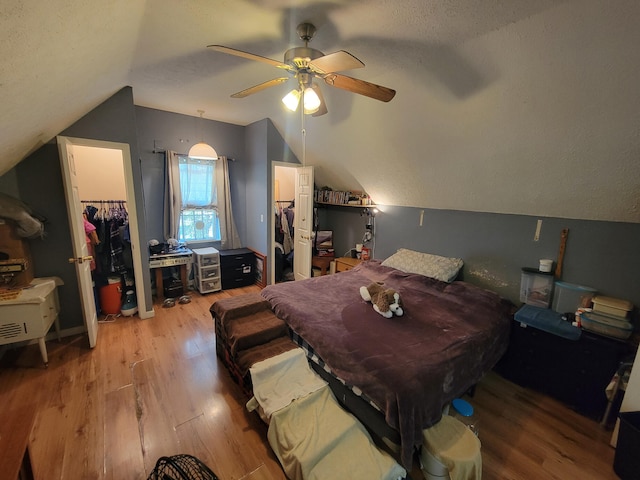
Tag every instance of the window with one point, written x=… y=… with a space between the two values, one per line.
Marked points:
x=199 y=208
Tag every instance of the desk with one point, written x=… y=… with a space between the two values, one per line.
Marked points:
x=180 y=257
x=15 y=461
x=30 y=314
x=322 y=263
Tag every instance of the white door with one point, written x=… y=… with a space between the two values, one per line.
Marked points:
x=81 y=257
x=303 y=230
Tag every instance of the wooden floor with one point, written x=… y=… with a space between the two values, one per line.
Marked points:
x=155 y=387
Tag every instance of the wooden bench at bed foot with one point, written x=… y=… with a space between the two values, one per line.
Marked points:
x=247 y=331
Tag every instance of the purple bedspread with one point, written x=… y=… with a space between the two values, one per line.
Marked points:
x=449 y=336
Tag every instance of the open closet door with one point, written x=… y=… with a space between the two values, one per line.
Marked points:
x=303 y=229
x=81 y=257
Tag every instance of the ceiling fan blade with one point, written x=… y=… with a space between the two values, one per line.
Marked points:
x=323 y=105
x=335 y=62
x=258 y=88
x=354 y=85
x=250 y=56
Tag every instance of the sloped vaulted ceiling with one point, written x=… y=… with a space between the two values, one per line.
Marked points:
x=520 y=106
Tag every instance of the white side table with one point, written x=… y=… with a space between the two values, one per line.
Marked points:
x=31 y=313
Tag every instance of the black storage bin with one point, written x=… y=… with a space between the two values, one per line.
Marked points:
x=626 y=462
x=173 y=288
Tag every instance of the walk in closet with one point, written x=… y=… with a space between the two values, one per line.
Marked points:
x=103 y=198
x=284 y=220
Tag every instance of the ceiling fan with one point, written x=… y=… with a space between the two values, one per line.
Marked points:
x=305 y=64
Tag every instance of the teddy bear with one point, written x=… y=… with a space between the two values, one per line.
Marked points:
x=386 y=301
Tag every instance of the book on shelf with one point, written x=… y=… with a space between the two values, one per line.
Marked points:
x=341 y=197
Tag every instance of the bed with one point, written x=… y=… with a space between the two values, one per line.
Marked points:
x=401 y=371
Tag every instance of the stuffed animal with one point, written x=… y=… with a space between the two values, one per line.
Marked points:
x=385 y=301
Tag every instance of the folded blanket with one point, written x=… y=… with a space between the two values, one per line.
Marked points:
x=279 y=380
x=239 y=306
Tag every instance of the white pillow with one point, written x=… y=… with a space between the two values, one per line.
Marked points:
x=434 y=266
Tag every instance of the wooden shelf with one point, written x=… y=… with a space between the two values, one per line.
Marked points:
x=345 y=205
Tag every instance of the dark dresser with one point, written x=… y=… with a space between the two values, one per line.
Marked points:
x=237 y=268
x=575 y=372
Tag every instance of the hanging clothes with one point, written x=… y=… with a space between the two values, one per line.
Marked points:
x=287 y=240
x=112 y=251
x=91 y=238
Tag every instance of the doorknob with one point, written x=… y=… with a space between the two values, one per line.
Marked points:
x=87 y=258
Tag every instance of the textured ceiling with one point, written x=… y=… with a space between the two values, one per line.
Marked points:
x=513 y=106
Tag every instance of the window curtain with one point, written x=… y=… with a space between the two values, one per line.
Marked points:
x=221 y=192
x=228 y=233
x=172 y=195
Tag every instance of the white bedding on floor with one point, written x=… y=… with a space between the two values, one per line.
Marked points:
x=279 y=380
x=310 y=433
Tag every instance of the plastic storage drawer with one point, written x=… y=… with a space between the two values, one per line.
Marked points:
x=208 y=285
x=206 y=257
x=207 y=273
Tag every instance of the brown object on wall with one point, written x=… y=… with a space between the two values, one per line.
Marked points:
x=563 y=246
x=16 y=266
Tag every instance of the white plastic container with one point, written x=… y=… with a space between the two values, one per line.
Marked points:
x=536 y=287
x=545 y=265
x=612 y=306
x=568 y=297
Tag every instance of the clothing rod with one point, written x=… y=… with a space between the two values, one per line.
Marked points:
x=155 y=150
x=284 y=201
x=103 y=201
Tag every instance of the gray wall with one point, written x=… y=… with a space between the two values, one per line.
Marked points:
x=257 y=186
x=37 y=181
x=160 y=131
x=602 y=255
x=264 y=146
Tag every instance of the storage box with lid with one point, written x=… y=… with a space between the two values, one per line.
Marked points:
x=568 y=297
x=536 y=287
x=607 y=325
x=612 y=306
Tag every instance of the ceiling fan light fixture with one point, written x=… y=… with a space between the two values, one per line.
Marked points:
x=291 y=100
x=202 y=150
x=311 y=100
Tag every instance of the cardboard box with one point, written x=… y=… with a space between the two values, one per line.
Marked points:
x=16 y=266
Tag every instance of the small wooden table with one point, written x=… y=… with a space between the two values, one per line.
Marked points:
x=346 y=263
x=322 y=263
x=179 y=258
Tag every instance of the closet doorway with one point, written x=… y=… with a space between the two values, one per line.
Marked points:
x=282 y=233
x=95 y=171
x=292 y=194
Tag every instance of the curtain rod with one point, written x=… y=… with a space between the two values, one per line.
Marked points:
x=103 y=201
x=155 y=150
